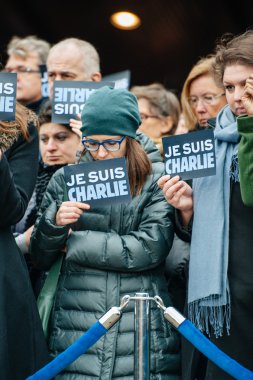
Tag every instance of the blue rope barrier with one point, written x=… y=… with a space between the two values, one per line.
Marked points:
x=212 y=352
x=68 y=356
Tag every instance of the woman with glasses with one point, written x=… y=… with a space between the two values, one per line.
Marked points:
x=111 y=251
x=220 y=288
x=201 y=98
x=159 y=110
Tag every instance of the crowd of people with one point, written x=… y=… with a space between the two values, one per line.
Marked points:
x=188 y=241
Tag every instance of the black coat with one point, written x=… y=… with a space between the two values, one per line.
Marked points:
x=22 y=345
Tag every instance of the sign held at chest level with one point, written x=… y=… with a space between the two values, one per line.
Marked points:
x=190 y=155
x=99 y=182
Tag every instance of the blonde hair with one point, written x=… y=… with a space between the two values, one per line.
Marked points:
x=203 y=67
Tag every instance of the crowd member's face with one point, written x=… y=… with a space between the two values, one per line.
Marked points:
x=234 y=80
x=201 y=97
x=28 y=77
x=58 y=144
x=153 y=124
x=67 y=64
x=102 y=153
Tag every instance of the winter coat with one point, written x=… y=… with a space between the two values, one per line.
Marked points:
x=245 y=158
x=111 y=251
x=22 y=345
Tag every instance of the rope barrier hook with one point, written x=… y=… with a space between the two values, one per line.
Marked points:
x=111 y=317
x=170 y=313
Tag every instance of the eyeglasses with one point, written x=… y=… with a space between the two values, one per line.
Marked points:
x=20 y=70
x=111 y=145
x=206 y=99
x=145 y=116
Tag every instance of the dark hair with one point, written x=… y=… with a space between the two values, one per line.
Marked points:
x=231 y=50
x=45 y=115
x=138 y=165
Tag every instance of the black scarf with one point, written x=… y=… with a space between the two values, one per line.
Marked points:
x=44 y=175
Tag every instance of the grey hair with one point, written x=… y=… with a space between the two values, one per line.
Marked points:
x=165 y=102
x=91 y=61
x=22 y=47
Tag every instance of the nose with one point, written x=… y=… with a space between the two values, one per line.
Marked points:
x=51 y=145
x=58 y=76
x=238 y=94
x=102 y=152
x=200 y=106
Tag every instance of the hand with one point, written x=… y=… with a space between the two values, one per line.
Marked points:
x=247 y=97
x=76 y=125
x=178 y=194
x=70 y=212
x=28 y=234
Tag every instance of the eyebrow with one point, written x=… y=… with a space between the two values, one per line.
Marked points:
x=61 y=72
x=205 y=93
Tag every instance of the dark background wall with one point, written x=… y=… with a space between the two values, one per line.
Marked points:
x=174 y=33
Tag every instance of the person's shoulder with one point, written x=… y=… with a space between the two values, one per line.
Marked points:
x=150 y=147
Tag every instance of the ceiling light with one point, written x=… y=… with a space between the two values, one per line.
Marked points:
x=125 y=20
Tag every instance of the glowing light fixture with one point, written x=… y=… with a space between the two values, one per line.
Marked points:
x=125 y=20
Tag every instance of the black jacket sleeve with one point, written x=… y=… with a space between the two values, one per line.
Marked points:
x=18 y=171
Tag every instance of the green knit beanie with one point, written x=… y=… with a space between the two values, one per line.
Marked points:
x=111 y=111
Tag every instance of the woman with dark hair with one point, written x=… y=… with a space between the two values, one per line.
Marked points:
x=22 y=345
x=221 y=258
x=59 y=146
x=111 y=251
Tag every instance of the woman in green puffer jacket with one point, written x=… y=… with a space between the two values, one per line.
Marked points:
x=111 y=251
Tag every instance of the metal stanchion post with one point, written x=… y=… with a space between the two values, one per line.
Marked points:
x=141 y=339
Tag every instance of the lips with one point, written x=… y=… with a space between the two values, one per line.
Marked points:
x=53 y=158
x=240 y=111
x=203 y=121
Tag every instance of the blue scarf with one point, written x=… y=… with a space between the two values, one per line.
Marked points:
x=208 y=295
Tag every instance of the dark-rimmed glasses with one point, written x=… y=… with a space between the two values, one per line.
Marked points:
x=207 y=99
x=111 y=145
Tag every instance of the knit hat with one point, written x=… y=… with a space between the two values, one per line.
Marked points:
x=111 y=111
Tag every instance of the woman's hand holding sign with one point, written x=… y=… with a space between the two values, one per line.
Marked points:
x=178 y=194
x=70 y=212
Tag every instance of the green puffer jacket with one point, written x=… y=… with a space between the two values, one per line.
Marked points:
x=111 y=251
